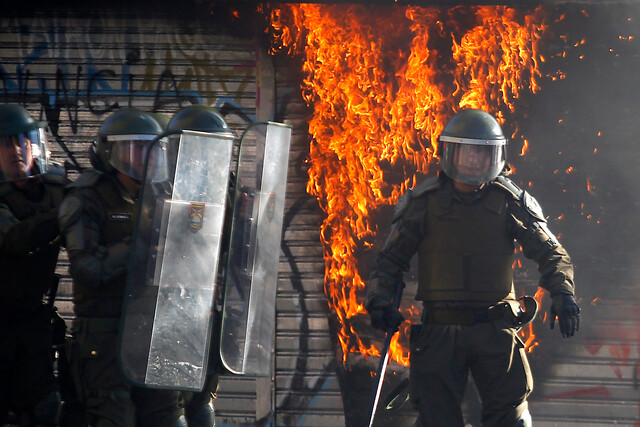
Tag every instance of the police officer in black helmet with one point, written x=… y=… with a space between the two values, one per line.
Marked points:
x=97 y=218
x=31 y=190
x=463 y=225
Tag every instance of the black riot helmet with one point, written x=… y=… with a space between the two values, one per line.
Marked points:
x=161 y=119
x=473 y=149
x=23 y=144
x=200 y=118
x=124 y=140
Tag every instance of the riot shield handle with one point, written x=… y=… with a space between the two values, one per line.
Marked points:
x=384 y=358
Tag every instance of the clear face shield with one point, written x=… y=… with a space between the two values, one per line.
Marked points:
x=472 y=161
x=23 y=155
x=129 y=153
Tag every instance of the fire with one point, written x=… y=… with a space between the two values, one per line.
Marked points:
x=382 y=82
x=527 y=334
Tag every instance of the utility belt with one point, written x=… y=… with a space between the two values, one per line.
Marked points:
x=511 y=311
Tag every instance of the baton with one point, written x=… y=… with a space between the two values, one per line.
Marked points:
x=384 y=359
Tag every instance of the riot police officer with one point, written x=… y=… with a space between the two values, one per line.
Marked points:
x=31 y=190
x=97 y=218
x=463 y=225
x=199 y=408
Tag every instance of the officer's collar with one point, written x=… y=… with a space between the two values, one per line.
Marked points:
x=447 y=194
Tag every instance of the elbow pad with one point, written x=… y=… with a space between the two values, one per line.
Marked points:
x=531 y=228
x=539 y=241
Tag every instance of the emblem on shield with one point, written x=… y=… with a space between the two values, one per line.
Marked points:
x=196 y=216
x=271 y=205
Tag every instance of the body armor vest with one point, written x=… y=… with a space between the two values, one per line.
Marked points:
x=467 y=253
x=28 y=277
x=116 y=224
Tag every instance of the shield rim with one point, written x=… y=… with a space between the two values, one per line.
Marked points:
x=135 y=237
x=235 y=194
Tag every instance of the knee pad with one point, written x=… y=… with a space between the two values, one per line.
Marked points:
x=47 y=410
x=197 y=401
x=204 y=416
x=524 y=420
x=180 y=422
x=521 y=416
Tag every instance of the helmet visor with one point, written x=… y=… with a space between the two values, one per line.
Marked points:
x=129 y=152
x=472 y=163
x=23 y=155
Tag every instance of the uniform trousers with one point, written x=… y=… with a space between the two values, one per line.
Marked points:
x=442 y=355
x=109 y=399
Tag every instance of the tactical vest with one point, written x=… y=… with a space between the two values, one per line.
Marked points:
x=117 y=222
x=467 y=253
x=28 y=277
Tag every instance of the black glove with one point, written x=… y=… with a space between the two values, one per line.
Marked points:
x=566 y=309
x=385 y=317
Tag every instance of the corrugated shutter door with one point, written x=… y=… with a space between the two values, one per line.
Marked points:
x=307 y=389
x=75 y=69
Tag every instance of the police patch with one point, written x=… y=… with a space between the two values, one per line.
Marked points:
x=196 y=216
x=271 y=206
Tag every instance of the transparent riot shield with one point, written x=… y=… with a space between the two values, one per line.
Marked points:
x=172 y=275
x=248 y=320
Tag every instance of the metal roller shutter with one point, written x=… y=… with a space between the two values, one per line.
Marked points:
x=74 y=68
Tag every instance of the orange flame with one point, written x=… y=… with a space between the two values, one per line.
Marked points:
x=527 y=334
x=380 y=87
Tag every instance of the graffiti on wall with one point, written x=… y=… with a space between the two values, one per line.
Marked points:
x=76 y=73
x=99 y=71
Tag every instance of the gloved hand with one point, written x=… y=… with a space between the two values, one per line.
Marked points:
x=385 y=317
x=566 y=309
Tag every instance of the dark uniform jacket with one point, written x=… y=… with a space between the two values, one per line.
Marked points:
x=29 y=248
x=97 y=219
x=465 y=244
x=29 y=241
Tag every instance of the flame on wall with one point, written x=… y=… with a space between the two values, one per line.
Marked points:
x=382 y=82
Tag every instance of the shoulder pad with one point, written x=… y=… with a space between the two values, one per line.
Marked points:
x=69 y=211
x=426 y=186
x=528 y=201
x=402 y=205
x=55 y=175
x=533 y=207
x=88 y=178
x=509 y=186
x=421 y=189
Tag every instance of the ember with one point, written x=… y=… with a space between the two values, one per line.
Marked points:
x=382 y=83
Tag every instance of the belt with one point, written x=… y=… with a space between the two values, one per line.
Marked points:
x=463 y=316
x=510 y=311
